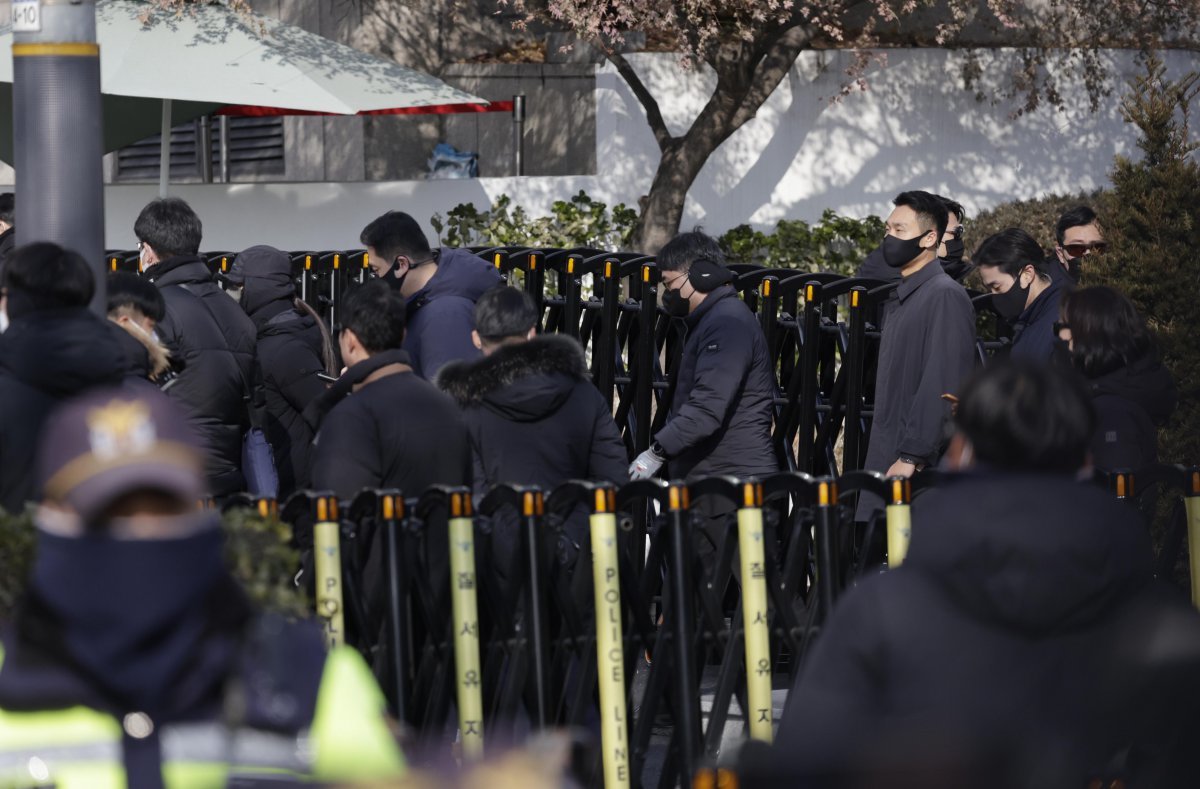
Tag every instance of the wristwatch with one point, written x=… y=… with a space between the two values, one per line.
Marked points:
x=917 y=464
x=657 y=449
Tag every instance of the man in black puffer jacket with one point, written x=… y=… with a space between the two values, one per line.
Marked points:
x=292 y=350
x=207 y=332
x=1022 y=643
x=54 y=348
x=533 y=414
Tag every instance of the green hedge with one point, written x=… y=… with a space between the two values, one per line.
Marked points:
x=257 y=552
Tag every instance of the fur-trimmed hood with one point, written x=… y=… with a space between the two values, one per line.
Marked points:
x=158 y=358
x=523 y=382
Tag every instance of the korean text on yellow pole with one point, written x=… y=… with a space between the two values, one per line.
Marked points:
x=328 y=548
x=1192 y=503
x=610 y=655
x=899 y=520
x=465 y=614
x=754 y=611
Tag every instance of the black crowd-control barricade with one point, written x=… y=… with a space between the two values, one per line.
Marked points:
x=821 y=328
x=490 y=622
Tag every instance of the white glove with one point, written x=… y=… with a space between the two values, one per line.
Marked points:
x=646 y=465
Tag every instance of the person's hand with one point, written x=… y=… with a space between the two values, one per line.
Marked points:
x=646 y=465
x=901 y=468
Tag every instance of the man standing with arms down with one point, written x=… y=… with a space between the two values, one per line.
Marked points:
x=928 y=343
x=439 y=286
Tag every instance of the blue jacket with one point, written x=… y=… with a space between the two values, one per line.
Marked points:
x=441 y=315
x=1033 y=331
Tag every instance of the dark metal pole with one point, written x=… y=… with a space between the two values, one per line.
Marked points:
x=682 y=633
x=519 y=134
x=391 y=517
x=223 y=145
x=826 y=537
x=851 y=452
x=532 y=508
x=807 y=411
x=205 y=150
x=58 y=130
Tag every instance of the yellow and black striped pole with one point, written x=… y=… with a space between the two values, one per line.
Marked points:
x=610 y=644
x=1191 y=502
x=465 y=617
x=754 y=611
x=899 y=520
x=327 y=545
x=58 y=129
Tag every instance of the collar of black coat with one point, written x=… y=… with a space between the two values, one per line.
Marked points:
x=39 y=674
x=720 y=294
x=909 y=284
x=184 y=269
x=350 y=379
x=470 y=382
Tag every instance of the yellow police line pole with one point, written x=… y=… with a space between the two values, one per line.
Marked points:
x=1191 y=501
x=899 y=520
x=465 y=615
x=327 y=545
x=754 y=612
x=610 y=645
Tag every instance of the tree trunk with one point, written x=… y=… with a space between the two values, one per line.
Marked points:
x=662 y=209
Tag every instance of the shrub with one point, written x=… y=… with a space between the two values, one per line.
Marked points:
x=1037 y=217
x=836 y=243
x=257 y=552
x=578 y=222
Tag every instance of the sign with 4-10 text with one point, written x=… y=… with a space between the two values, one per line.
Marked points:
x=26 y=16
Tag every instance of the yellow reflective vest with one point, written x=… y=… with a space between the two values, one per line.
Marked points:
x=80 y=748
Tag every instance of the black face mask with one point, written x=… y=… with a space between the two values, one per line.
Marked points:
x=1075 y=269
x=899 y=252
x=675 y=304
x=389 y=277
x=1011 y=303
x=954 y=250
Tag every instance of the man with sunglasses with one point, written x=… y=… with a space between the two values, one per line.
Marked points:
x=1078 y=235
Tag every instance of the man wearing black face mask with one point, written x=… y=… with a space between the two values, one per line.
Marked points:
x=440 y=288
x=927 y=347
x=720 y=419
x=135 y=656
x=1012 y=267
x=1077 y=236
x=950 y=251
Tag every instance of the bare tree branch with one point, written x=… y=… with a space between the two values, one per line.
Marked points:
x=771 y=70
x=662 y=134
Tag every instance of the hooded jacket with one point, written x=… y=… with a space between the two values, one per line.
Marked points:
x=535 y=418
x=146 y=359
x=1131 y=403
x=216 y=343
x=720 y=420
x=441 y=315
x=1006 y=628
x=46 y=357
x=290 y=354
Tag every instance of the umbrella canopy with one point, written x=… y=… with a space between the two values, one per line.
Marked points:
x=210 y=56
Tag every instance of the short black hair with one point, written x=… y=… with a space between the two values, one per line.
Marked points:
x=1107 y=333
x=44 y=276
x=128 y=290
x=1024 y=416
x=394 y=234
x=680 y=252
x=930 y=209
x=1078 y=216
x=953 y=207
x=376 y=315
x=170 y=227
x=1010 y=250
x=504 y=312
x=8 y=207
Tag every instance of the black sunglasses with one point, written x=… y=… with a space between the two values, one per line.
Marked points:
x=1079 y=250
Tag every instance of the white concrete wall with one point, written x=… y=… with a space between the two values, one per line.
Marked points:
x=916 y=127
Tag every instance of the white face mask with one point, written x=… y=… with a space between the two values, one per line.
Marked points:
x=3 y=321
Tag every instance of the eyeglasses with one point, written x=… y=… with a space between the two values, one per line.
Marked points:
x=1059 y=326
x=1079 y=250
